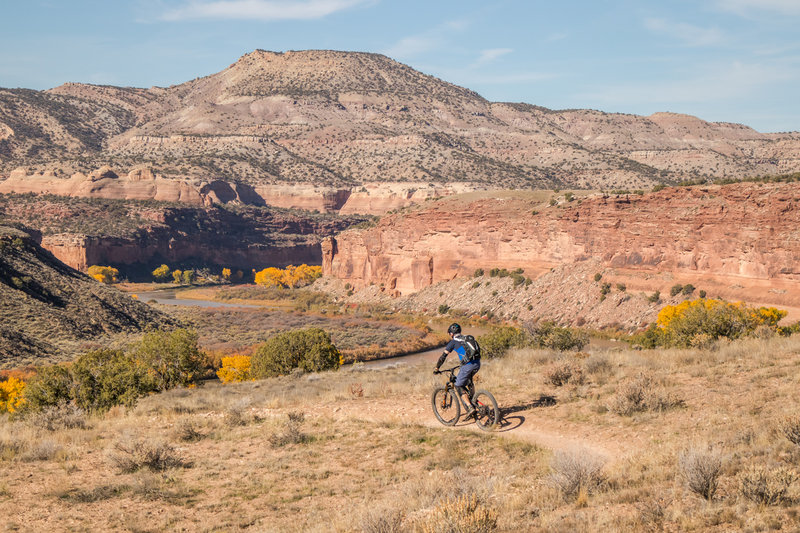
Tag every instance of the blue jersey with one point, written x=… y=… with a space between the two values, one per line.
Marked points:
x=458 y=346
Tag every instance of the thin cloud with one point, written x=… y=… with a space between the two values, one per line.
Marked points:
x=726 y=83
x=267 y=10
x=506 y=79
x=746 y=7
x=489 y=55
x=420 y=43
x=688 y=34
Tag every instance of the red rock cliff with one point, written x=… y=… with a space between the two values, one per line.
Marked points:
x=747 y=231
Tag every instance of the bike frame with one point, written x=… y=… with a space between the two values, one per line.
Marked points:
x=451 y=385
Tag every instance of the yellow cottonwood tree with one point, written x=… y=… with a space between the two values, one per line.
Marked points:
x=104 y=274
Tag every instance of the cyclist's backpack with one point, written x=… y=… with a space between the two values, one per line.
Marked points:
x=472 y=350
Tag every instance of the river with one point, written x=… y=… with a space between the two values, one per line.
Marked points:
x=170 y=297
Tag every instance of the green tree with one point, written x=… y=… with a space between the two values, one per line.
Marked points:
x=171 y=358
x=104 y=378
x=50 y=387
x=309 y=349
x=188 y=277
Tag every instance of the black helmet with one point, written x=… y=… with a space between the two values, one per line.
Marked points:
x=454 y=329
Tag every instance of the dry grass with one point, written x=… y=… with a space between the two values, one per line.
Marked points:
x=379 y=454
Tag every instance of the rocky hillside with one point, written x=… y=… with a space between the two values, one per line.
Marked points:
x=46 y=306
x=342 y=123
x=83 y=232
x=739 y=241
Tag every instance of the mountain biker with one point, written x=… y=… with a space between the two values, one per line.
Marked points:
x=468 y=369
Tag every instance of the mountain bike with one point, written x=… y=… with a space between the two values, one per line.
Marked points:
x=447 y=403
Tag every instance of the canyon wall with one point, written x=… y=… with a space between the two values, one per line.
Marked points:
x=142 y=183
x=80 y=252
x=743 y=231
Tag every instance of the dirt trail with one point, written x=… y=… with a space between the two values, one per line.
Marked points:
x=527 y=421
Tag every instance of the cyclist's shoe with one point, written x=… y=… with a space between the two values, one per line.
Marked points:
x=471 y=413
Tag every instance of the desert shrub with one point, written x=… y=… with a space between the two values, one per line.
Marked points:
x=382 y=520
x=291 y=432
x=564 y=372
x=548 y=335
x=641 y=394
x=171 y=358
x=654 y=298
x=104 y=274
x=790 y=427
x=576 y=471
x=50 y=387
x=700 y=469
x=498 y=341
x=652 y=513
x=177 y=276
x=789 y=330
x=464 y=513
x=234 y=368
x=650 y=338
x=675 y=290
x=236 y=415
x=161 y=273
x=687 y=289
x=102 y=379
x=187 y=431
x=621 y=287
x=478 y=273
x=55 y=417
x=43 y=450
x=130 y=455
x=12 y=392
x=308 y=349
x=11 y=448
x=598 y=276
x=683 y=323
x=597 y=363
x=443 y=309
x=766 y=486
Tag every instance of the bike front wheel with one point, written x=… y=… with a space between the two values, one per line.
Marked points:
x=446 y=406
x=487 y=415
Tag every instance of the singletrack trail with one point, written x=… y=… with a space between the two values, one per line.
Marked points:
x=528 y=421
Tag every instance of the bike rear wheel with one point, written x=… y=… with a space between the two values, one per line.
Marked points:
x=487 y=415
x=446 y=406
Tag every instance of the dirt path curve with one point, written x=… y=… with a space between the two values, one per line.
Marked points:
x=528 y=421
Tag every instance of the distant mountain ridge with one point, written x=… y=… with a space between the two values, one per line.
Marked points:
x=343 y=119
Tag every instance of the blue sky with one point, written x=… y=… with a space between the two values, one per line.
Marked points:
x=721 y=60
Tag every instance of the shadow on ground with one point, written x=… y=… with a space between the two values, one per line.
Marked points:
x=508 y=423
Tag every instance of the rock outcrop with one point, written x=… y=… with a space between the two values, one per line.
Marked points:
x=142 y=183
x=743 y=232
x=90 y=232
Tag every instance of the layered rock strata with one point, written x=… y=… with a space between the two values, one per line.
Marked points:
x=745 y=232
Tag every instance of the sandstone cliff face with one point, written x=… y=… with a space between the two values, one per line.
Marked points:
x=142 y=183
x=743 y=231
x=82 y=232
